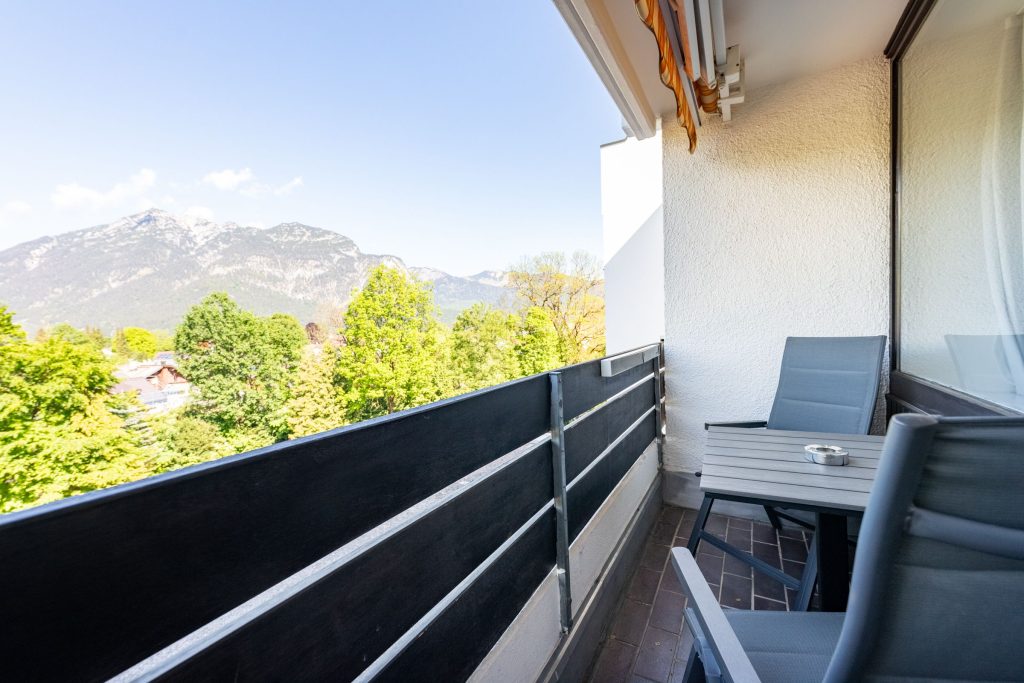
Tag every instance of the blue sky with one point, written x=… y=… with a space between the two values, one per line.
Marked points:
x=459 y=135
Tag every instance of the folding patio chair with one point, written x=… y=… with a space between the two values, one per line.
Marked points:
x=826 y=384
x=938 y=583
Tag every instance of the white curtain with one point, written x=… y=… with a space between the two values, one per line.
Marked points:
x=1001 y=194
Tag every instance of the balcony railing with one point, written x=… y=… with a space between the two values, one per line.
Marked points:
x=380 y=550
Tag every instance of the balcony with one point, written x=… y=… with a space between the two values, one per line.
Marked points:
x=521 y=532
x=444 y=538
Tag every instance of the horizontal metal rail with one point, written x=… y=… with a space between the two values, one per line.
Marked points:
x=619 y=438
x=275 y=596
x=575 y=422
x=611 y=447
x=413 y=633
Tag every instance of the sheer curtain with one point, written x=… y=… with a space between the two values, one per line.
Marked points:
x=1001 y=194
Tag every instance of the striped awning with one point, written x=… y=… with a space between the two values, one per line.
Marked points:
x=650 y=13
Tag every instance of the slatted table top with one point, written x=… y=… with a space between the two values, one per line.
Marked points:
x=769 y=464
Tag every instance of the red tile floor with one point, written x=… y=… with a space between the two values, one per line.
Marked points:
x=648 y=640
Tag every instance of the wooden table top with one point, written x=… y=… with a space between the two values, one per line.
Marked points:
x=769 y=464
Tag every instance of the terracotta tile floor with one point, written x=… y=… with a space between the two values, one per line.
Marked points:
x=648 y=640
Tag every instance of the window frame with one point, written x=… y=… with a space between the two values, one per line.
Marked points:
x=907 y=392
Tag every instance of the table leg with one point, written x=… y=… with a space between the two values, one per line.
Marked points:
x=833 y=562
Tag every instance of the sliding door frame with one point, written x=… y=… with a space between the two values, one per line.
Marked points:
x=908 y=393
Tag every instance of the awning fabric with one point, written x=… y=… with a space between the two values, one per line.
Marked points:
x=650 y=14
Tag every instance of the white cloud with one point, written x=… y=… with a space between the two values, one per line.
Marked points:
x=202 y=212
x=244 y=181
x=289 y=186
x=228 y=179
x=73 y=195
x=14 y=208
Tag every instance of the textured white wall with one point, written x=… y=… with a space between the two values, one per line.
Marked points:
x=631 y=217
x=778 y=226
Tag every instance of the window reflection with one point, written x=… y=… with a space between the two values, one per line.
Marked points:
x=961 y=241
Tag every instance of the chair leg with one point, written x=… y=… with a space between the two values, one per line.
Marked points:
x=694 y=671
x=698 y=524
x=808 y=579
x=773 y=517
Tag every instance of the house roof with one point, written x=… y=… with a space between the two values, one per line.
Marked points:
x=146 y=370
x=139 y=384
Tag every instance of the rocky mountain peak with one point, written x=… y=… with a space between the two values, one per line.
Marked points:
x=148 y=268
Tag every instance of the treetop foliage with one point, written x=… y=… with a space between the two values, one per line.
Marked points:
x=570 y=291
x=239 y=365
x=257 y=380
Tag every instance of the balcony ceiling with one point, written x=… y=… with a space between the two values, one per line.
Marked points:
x=779 y=40
x=786 y=39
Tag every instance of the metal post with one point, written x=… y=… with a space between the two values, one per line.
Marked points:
x=561 y=514
x=659 y=408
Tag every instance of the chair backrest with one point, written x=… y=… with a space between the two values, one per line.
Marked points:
x=828 y=384
x=938 y=581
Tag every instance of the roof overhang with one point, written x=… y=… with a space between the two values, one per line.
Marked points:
x=625 y=56
x=779 y=41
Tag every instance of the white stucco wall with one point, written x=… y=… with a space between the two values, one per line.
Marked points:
x=631 y=216
x=778 y=226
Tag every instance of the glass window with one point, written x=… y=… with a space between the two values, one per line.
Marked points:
x=961 y=265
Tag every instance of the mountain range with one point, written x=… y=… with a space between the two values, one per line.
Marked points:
x=147 y=269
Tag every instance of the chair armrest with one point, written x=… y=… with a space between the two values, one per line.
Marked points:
x=746 y=424
x=729 y=655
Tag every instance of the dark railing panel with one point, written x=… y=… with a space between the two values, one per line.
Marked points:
x=96 y=584
x=111 y=577
x=584 y=386
x=452 y=648
x=587 y=493
x=589 y=437
x=334 y=626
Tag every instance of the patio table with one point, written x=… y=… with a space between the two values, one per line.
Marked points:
x=768 y=467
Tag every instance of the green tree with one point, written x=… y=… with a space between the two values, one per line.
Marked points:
x=96 y=337
x=141 y=343
x=164 y=340
x=119 y=344
x=287 y=337
x=240 y=366
x=392 y=345
x=536 y=346
x=483 y=348
x=69 y=334
x=60 y=429
x=316 y=404
x=12 y=338
x=186 y=440
x=570 y=290
x=10 y=331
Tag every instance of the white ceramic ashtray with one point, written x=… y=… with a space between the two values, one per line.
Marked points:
x=823 y=454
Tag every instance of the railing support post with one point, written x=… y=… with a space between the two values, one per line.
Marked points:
x=659 y=407
x=560 y=497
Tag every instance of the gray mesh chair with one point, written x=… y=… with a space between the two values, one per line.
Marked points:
x=938 y=583
x=826 y=384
